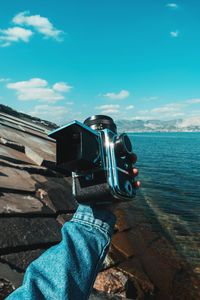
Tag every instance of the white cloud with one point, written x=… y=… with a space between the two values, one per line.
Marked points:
x=130 y=107
x=14 y=34
x=150 y=98
x=69 y=103
x=110 y=106
x=122 y=95
x=169 y=110
x=37 y=89
x=193 y=101
x=172 y=5
x=61 y=87
x=174 y=33
x=108 y=109
x=4 y=79
x=41 y=24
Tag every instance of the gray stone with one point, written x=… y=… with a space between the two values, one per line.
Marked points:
x=56 y=193
x=21 y=260
x=14 y=179
x=15 y=203
x=11 y=275
x=20 y=231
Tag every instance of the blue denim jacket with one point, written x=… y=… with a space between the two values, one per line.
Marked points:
x=69 y=269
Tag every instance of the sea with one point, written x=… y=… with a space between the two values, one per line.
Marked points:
x=169 y=171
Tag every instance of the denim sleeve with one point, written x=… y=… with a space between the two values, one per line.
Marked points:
x=69 y=269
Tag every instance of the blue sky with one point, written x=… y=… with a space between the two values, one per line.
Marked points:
x=130 y=59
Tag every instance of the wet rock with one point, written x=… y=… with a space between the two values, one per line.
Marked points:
x=112 y=281
x=20 y=204
x=123 y=244
x=20 y=231
x=134 y=269
x=122 y=223
x=14 y=179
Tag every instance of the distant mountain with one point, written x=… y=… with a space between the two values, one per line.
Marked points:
x=178 y=125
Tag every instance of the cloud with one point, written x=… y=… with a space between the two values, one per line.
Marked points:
x=4 y=79
x=108 y=109
x=192 y=101
x=14 y=34
x=150 y=98
x=169 y=110
x=172 y=5
x=174 y=33
x=122 y=95
x=130 y=107
x=61 y=87
x=38 y=89
x=69 y=103
x=40 y=24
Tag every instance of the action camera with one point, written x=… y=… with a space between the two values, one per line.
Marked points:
x=100 y=160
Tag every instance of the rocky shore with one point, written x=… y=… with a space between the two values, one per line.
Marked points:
x=35 y=202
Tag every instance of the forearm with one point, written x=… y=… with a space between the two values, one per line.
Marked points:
x=68 y=270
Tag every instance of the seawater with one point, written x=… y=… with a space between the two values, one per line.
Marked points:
x=169 y=171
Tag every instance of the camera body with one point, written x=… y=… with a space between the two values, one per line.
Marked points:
x=100 y=160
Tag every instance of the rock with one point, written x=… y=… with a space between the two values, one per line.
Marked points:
x=11 y=275
x=122 y=223
x=123 y=244
x=97 y=295
x=56 y=193
x=112 y=281
x=12 y=144
x=21 y=204
x=13 y=179
x=134 y=269
x=20 y=260
x=6 y=288
x=23 y=232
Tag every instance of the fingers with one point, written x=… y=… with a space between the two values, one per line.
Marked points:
x=135 y=172
x=137 y=185
x=133 y=158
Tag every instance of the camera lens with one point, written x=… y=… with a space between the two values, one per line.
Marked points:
x=100 y=122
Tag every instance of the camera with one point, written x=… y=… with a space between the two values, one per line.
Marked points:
x=100 y=160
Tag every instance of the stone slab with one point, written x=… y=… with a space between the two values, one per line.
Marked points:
x=14 y=179
x=134 y=269
x=21 y=260
x=122 y=242
x=56 y=193
x=44 y=147
x=20 y=231
x=21 y=204
x=7 y=273
x=122 y=223
x=14 y=156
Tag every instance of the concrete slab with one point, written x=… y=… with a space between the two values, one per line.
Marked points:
x=20 y=232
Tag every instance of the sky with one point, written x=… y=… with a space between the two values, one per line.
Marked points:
x=129 y=59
